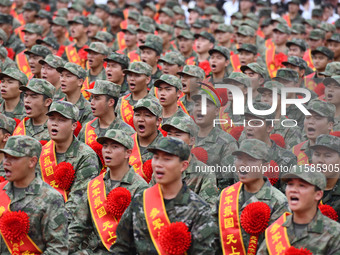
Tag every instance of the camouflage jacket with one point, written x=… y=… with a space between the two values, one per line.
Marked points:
x=100 y=76
x=116 y=124
x=133 y=235
x=59 y=95
x=336 y=126
x=37 y=132
x=19 y=111
x=15 y=43
x=189 y=105
x=321 y=236
x=146 y=155
x=47 y=215
x=292 y=135
x=155 y=77
x=332 y=198
x=82 y=223
x=85 y=111
x=272 y=197
x=294 y=113
x=9 y=63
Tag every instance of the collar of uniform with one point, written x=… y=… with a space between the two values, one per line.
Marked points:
x=265 y=193
x=183 y=196
x=305 y=146
x=73 y=149
x=33 y=187
x=81 y=102
x=316 y=225
x=213 y=135
x=127 y=178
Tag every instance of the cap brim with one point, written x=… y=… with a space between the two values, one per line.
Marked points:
x=280 y=79
x=251 y=155
x=329 y=80
x=102 y=139
x=288 y=176
x=181 y=73
x=143 y=107
x=61 y=113
x=7 y=75
x=61 y=68
x=126 y=71
x=12 y=153
x=261 y=90
x=326 y=74
x=214 y=50
x=24 y=88
x=232 y=81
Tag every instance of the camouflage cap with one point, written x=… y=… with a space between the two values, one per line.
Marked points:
x=80 y=20
x=298 y=28
x=43 y=14
x=194 y=71
x=118 y=58
x=3 y=36
x=77 y=7
x=94 y=20
x=316 y=34
x=217 y=19
x=294 y=2
x=133 y=15
x=39 y=50
x=181 y=24
x=286 y=75
x=206 y=35
x=254 y=148
x=329 y=141
x=261 y=107
x=103 y=7
x=282 y=28
x=327 y=27
x=224 y=28
x=22 y=146
x=279 y=20
x=60 y=21
x=334 y=79
x=266 y=23
x=337 y=23
x=237 y=15
x=104 y=36
x=153 y=42
x=146 y=19
x=211 y=10
x=169 y=79
x=33 y=28
x=98 y=47
x=50 y=41
x=296 y=61
x=186 y=34
x=40 y=86
x=7 y=123
x=269 y=85
x=172 y=146
x=335 y=38
x=238 y=78
x=3 y=52
x=252 y=16
x=118 y=136
x=73 y=68
x=151 y=104
x=210 y=94
x=6 y=19
x=246 y=30
x=265 y=12
x=298 y=42
x=146 y=27
x=118 y=13
x=139 y=68
x=322 y=108
x=255 y=67
x=31 y=6
x=167 y=11
x=317 y=12
x=151 y=6
x=165 y=28
x=248 y=47
x=15 y=74
x=131 y=29
x=220 y=49
x=183 y=123
x=332 y=69
x=62 y=13
x=102 y=87
x=251 y=23
x=53 y=61
x=201 y=23
x=6 y=3
x=311 y=22
x=305 y=173
x=66 y=109
x=173 y=58
x=325 y=51
x=178 y=10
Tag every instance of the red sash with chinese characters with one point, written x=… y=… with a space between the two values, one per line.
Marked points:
x=87 y=85
x=133 y=56
x=155 y=214
x=270 y=54
x=302 y=157
x=48 y=162
x=309 y=82
x=90 y=135
x=121 y=40
x=229 y=221
x=73 y=56
x=276 y=236
x=20 y=129
x=180 y=104
x=269 y=43
x=135 y=159
x=235 y=62
x=24 y=246
x=190 y=61
x=23 y=64
x=126 y=110
x=308 y=58
x=106 y=224
x=287 y=19
x=225 y=116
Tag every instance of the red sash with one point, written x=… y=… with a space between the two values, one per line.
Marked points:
x=135 y=159
x=309 y=82
x=276 y=237
x=302 y=158
x=73 y=56
x=87 y=85
x=126 y=111
x=235 y=62
x=269 y=43
x=225 y=116
x=24 y=246
x=90 y=135
x=23 y=64
x=19 y=17
x=180 y=104
x=20 y=129
x=48 y=163
x=229 y=221
x=270 y=54
x=190 y=61
x=308 y=58
x=106 y=224
x=155 y=214
x=121 y=40
x=287 y=19
x=18 y=31
x=133 y=56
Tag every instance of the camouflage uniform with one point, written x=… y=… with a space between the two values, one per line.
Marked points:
x=80 y=156
x=335 y=73
x=188 y=35
x=332 y=69
x=321 y=235
x=225 y=52
x=85 y=111
x=102 y=49
x=7 y=125
x=173 y=58
x=132 y=233
x=13 y=41
x=82 y=223
x=43 y=205
x=60 y=21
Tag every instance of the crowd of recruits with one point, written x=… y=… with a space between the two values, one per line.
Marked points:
x=124 y=115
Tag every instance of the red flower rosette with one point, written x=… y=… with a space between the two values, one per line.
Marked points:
x=205 y=66
x=64 y=175
x=117 y=201
x=14 y=225
x=279 y=140
x=175 y=239
x=273 y=173
x=147 y=170
x=279 y=58
x=295 y=251
x=78 y=128
x=254 y=220
x=201 y=154
x=2 y=179
x=328 y=211
x=236 y=132
x=97 y=147
x=43 y=142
